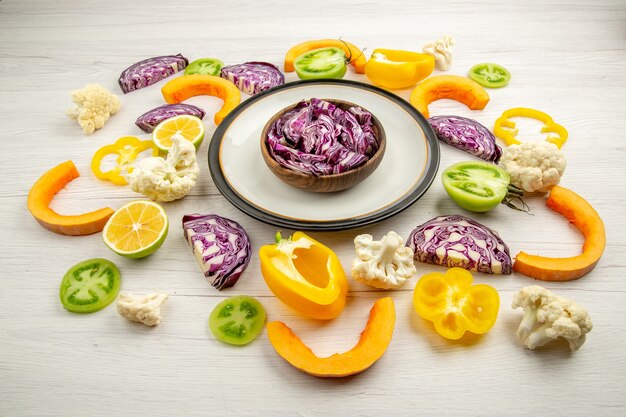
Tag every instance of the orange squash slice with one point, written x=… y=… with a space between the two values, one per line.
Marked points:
x=580 y=213
x=186 y=86
x=44 y=190
x=354 y=54
x=370 y=347
x=454 y=87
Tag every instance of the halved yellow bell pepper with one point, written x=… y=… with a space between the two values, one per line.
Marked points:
x=127 y=149
x=305 y=275
x=396 y=69
x=454 y=305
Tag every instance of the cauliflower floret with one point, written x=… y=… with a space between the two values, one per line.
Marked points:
x=143 y=309
x=441 y=50
x=534 y=166
x=167 y=179
x=386 y=263
x=548 y=316
x=94 y=105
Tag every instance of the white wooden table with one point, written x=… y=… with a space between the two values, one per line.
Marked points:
x=567 y=58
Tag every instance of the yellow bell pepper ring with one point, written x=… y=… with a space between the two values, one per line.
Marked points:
x=305 y=275
x=505 y=128
x=396 y=69
x=454 y=305
x=127 y=149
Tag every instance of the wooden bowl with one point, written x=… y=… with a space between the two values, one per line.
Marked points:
x=325 y=183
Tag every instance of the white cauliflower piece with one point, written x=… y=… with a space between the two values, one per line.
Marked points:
x=534 y=166
x=94 y=105
x=167 y=179
x=441 y=50
x=385 y=263
x=144 y=309
x=548 y=317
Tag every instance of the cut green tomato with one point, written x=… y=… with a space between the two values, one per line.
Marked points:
x=204 y=66
x=490 y=75
x=237 y=320
x=90 y=286
x=321 y=63
x=476 y=186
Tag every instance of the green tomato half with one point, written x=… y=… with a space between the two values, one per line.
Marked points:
x=321 y=63
x=237 y=320
x=476 y=186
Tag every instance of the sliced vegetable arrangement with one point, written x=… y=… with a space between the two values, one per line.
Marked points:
x=320 y=137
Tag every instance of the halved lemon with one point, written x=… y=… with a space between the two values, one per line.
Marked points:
x=136 y=229
x=186 y=126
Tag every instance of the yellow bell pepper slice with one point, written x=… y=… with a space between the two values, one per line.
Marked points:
x=305 y=275
x=454 y=305
x=395 y=69
x=509 y=134
x=127 y=149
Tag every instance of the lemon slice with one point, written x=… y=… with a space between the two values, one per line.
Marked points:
x=186 y=126
x=136 y=229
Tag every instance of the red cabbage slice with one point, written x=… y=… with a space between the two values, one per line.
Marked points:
x=150 y=71
x=456 y=240
x=318 y=138
x=253 y=77
x=150 y=119
x=221 y=246
x=467 y=135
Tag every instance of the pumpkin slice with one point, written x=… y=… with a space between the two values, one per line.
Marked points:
x=580 y=213
x=182 y=88
x=371 y=346
x=44 y=190
x=454 y=87
x=354 y=54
